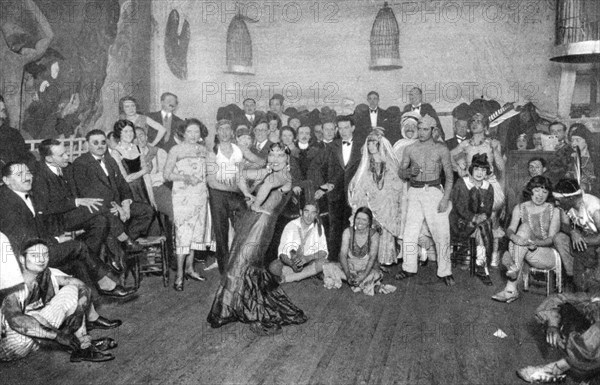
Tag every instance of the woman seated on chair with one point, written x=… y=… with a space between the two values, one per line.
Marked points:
x=471 y=216
x=532 y=241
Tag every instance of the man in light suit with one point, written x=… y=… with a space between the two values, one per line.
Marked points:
x=415 y=97
x=166 y=116
x=343 y=157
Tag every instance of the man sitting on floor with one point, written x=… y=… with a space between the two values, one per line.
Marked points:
x=303 y=247
x=49 y=306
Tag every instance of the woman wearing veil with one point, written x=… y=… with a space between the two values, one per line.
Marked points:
x=376 y=185
x=248 y=292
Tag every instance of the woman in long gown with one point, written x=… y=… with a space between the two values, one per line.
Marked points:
x=376 y=185
x=248 y=292
x=186 y=167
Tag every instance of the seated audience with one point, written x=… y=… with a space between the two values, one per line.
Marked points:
x=303 y=247
x=582 y=142
x=377 y=185
x=50 y=306
x=12 y=145
x=61 y=211
x=97 y=175
x=20 y=220
x=572 y=323
x=156 y=158
x=532 y=240
x=472 y=200
x=579 y=238
x=129 y=158
x=167 y=118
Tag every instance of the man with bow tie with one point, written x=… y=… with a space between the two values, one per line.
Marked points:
x=373 y=117
x=166 y=116
x=251 y=115
x=461 y=115
x=342 y=160
x=415 y=96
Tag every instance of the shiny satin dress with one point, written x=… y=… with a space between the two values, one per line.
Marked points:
x=248 y=292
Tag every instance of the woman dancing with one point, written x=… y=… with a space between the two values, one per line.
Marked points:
x=248 y=292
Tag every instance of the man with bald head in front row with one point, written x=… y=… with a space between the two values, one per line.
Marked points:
x=423 y=163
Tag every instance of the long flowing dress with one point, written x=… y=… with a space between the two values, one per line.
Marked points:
x=191 y=212
x=378 y=187
x=248 y=292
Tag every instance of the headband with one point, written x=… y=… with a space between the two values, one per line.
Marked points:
x=558 y=195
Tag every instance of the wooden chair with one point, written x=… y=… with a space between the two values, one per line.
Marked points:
x=155 y=257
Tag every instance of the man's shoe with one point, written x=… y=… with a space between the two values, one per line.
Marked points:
x=449 y=280
x=118 y=292
x=104 y=343
x=90 y=354
x=103 y=323
x=506 y=296
x=132 y=246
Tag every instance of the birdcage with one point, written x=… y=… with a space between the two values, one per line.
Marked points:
x=577 y=31
x=239 y=47
x=385 y=40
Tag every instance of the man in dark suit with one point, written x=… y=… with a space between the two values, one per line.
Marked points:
x=20 y=221
x=61 y=210
x=374 y=117
x=166 y=116
x=262 y=144
x=96 y=175
x=461 y=114
x=415 y=96
x=251 y=115
x=343 y=158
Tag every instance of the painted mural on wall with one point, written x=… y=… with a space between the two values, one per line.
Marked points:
x=176 y=45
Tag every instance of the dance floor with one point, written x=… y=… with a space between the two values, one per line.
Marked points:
x=424 y=333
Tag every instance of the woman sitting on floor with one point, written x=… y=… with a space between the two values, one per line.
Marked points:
x=472 y=200
x=358 y=258
x=532 y=241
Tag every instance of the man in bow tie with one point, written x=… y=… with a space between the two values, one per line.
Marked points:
x=415 y=96
x=461 y=115
x=342 y=160
x=166 y=116
x=373 y=117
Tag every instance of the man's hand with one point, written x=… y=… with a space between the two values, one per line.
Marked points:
x=67 y=339
x=415 y=170
x=297 y=190
x=93 y=204
x=579 y=243
x=553 y=337
x=119 y=211
x=327 y=187
x=443 y=205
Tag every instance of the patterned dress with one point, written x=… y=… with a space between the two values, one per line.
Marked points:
x=193 y=226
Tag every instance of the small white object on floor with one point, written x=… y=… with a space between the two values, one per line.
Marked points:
x=213 y=266
x=500 y=334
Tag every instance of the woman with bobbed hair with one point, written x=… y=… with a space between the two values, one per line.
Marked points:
x=128 y=110
x=531 y=241
x=186 y=168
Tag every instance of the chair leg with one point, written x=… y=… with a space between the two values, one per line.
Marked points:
x=136 y=270
x=473 y=252
x=164 y=256
x=549 y=282
x=525 y=273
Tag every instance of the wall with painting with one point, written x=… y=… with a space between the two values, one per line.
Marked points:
x=317 y=53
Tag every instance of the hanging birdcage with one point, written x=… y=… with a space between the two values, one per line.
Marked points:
x=239 y=47
x=385 y=41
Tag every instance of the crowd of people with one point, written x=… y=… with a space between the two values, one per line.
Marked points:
x=281 y=197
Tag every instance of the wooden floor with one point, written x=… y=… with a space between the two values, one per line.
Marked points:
x=424 y=333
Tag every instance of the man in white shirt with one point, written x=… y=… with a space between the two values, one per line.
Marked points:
x=166 y=116
x=303 y=247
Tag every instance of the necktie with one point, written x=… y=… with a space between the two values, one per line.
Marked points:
x=26 y=196
x=346 y=143
x=60 y=173
x=373 y=111
x=416 y=108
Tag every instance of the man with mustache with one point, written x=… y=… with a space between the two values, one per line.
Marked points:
x=166 y=116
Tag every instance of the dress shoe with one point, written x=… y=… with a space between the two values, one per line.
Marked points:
x=118 y=292
x=194 y=276
x=90 y=354
x=448 y=280
x=103 y=323
x=132 y=247
x=104 y=343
